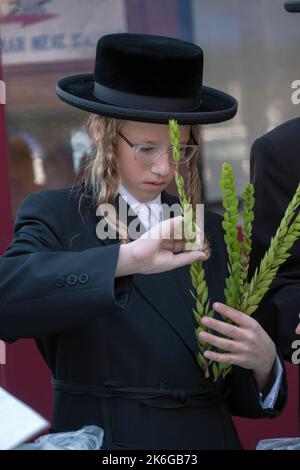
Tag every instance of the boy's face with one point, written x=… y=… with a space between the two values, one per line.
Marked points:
x=135 y=176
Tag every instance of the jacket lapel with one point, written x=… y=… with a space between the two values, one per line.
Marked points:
x=168 y=292
x=163 y=291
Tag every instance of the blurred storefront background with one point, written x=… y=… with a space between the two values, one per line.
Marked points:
x=250 y=51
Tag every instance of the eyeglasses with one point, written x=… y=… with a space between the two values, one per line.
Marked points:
x=150 y=153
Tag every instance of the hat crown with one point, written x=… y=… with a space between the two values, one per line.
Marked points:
x=148 y=78
x=149 y=65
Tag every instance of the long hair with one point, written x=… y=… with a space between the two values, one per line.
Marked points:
x=101 y=176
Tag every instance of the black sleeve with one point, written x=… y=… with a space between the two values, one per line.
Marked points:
x=45 y=289
x=266 y=217
x=279 y=314
x=244 y=398
x=275 y=184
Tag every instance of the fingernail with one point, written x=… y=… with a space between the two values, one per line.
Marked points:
x=216 y=305
x=205 y=320
x=202 y=339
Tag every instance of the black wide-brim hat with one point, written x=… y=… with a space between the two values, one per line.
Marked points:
x=142 y=77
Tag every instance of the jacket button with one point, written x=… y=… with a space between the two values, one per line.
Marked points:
x=83 y=278
x=72 y=279
x=59 y=282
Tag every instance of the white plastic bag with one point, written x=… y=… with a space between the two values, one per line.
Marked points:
x=86 y=438
x=283 y=443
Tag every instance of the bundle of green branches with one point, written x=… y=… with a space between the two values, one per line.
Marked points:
x=249 y=294
x=240 y=293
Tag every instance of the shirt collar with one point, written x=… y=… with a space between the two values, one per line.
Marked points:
x=133 y=202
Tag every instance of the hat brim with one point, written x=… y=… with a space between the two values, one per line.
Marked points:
x=77 y=90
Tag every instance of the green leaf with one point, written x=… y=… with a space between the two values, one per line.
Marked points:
x=215 y=370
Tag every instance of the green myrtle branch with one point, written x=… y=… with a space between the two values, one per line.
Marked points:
x=196 y=270
x=229 y=224
x=240 y=294
x=250 y=294
x=246 y=244
x=286 y=235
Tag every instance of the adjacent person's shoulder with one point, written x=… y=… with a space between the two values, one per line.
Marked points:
x=279 y=138
x=284 y=129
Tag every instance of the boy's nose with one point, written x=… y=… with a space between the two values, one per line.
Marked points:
x=163 y=165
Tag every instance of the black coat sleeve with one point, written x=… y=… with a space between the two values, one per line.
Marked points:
x=279 y=314
x=45 y=289
x=244 y=398
x=275 y=170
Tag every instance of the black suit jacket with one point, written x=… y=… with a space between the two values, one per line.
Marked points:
x=275 y=173
x=57 y=283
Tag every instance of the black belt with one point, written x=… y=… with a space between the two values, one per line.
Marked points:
x=160 y=397
x=171 y=398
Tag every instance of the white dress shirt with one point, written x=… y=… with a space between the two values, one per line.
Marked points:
x=149 y=213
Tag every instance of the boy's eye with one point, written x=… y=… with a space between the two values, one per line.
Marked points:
x=146 y=149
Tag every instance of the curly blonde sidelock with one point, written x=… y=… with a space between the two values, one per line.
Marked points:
x=101 y=170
